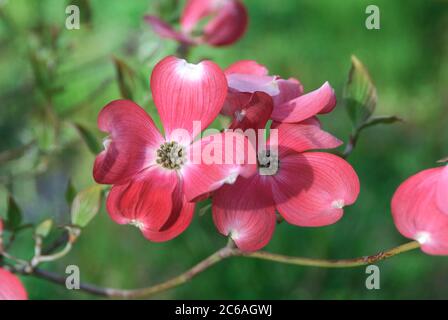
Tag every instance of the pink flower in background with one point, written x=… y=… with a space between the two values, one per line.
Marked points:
x=10 y=287
x=290 y=104
x=153 y=177
x=227 y=24
x=1 y=234
x=420 y=209
x=309 y=189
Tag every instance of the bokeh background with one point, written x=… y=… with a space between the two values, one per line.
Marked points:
x=51 y=78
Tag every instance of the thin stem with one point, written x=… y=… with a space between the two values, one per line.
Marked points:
x=148 y=291
x=47 y=258
x=342 y=263
x=351 y=144
x=14 y=259
x=183 y=51
x=226 y=252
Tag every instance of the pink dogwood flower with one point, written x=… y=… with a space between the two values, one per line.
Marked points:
x=1 y=233
x=308 y=189
x=154 y=177
x=11 y=288
x=290 y=104
x=420 y=209
x=227 y=24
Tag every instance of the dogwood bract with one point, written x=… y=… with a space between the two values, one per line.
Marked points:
x=11 y=288
x=420 y=209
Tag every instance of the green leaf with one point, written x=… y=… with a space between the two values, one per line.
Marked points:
x=39 y=68
x=168 y=10
x=3 y=202
x=44 y=228
x=14 y=215
x=86 y=205
x=360 y=96
x=44 y=132
x=70 y=192
x=125 y=78
x=89 y=138
x=380 y=120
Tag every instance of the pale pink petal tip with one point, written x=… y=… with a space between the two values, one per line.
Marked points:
x=418 y=213
x=252 y=83
x=11 y=288
x=247 y=67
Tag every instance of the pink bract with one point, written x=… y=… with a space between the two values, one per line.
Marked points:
x=420 y=209
x=11 y=288
x=228 y=23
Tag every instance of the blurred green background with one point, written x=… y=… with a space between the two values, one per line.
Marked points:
x=52 y=77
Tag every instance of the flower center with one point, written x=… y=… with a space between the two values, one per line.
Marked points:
x=171 y=155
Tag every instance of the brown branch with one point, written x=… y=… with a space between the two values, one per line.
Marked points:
x=143 y=292
x=220 y=255
x=341 y=263
x=351 y=144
